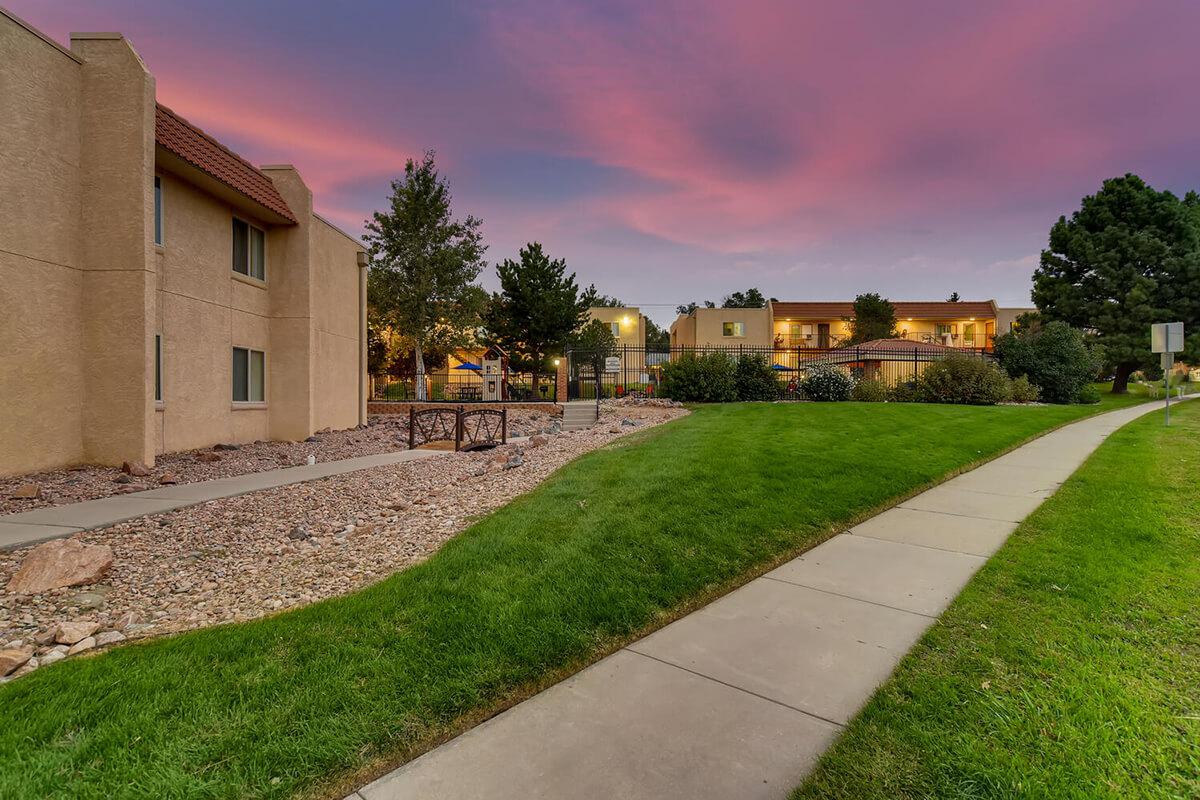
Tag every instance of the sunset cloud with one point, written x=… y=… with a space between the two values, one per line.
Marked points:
x=680 y=150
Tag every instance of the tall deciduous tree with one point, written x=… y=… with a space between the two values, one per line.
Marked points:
x=751 y=298
x=1128 y=258
x=590 y=298
x=874 y=318
x=595 y=342
x=536 y=310
x=424 y=264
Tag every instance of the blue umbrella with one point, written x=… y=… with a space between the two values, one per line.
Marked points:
x=469 y=365
x=782 y=368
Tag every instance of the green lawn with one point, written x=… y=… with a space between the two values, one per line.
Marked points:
x=614 y=544
x=1070 y=665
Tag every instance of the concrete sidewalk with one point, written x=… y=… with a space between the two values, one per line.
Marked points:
x=31 y=527
x=740 y=698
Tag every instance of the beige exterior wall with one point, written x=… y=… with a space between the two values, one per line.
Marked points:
x=705 y=327
x=631 y=325
x=84 y=288
x=41 y=259
x=1005 y=317
x=339 y=347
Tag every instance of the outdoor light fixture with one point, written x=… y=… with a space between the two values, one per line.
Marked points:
x=556 y=362
x=625 y=320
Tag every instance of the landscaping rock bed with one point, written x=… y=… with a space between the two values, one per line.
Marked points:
x=248 y=556
x=385 y=433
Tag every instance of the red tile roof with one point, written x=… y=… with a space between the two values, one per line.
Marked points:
x=904 y=309
x=197 y=148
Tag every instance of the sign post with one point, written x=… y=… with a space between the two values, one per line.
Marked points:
x=1166 y=338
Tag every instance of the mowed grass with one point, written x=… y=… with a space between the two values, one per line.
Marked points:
x=313 y=701
x=1070 y=666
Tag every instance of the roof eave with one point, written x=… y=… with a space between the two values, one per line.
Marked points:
x=171 y=162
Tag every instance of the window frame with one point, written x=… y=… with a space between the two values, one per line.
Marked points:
x=158 y=211
x=615 y=328
x=737 y=330
x=250 y=230
x=250 y=400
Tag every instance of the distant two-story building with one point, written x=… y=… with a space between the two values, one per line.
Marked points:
x=822 y=325
x=157 y=291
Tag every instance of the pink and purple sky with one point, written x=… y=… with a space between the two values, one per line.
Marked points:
x=676 y=151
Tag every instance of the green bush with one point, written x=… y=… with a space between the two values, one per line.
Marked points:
x=1088 y=395
x=826 y=382
x=755 y=379
x=870 y=390
x=1054 y=356
x=694 y=378
x=1023 y=391
x=966 y=380
x=905 y=392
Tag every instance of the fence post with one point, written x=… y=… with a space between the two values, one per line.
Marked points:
x=458 y=428
x=503 y=426
x=412 y=424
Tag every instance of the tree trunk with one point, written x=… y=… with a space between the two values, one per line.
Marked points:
x=1121 y=378
x=533 y=384
x=420 y=363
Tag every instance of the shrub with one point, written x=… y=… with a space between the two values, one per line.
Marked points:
x=706 y=378
x=826 y=382
x=1088 y=395
x=905 y=392
x=1023 y=391
x=755 y=379
x=962 y=379
x=1054 y=356
x=870 y=390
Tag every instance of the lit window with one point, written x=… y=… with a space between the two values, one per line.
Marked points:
x=157 y=364
x=248 y=375
x=249 y=250
x=733 y=329
x=158 y=239
x=616 y=329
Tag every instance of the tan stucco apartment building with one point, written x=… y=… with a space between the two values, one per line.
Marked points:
x=822 y=324
x=157 y=291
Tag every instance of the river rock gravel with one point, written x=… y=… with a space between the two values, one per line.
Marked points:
x=244 y=557
x=384 y=433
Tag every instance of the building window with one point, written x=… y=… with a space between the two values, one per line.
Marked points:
x=248 y=375
x=249 y=250
x=616 y=329
x=158 y=239
x=157 y=365
x=733 y=329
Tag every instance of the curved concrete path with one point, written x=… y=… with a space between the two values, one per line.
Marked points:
x=740 y=698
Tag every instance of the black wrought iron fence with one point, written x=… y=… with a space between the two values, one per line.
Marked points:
x=638 y=371
x=463 y=388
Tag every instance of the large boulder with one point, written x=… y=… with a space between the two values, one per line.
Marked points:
x=12 y=658
x=71 y=633
x=63 y=562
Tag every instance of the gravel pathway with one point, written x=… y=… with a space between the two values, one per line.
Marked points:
x=244 y=557
x=384 y=433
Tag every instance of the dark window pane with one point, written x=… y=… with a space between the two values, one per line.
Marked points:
x=157 y=210
x=257 y=254
x=241 y=374
x=257 y=363
x=241 y=247
x=157 y=367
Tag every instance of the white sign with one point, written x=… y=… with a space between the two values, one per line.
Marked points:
x=1166 y=337
x=612 y=364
